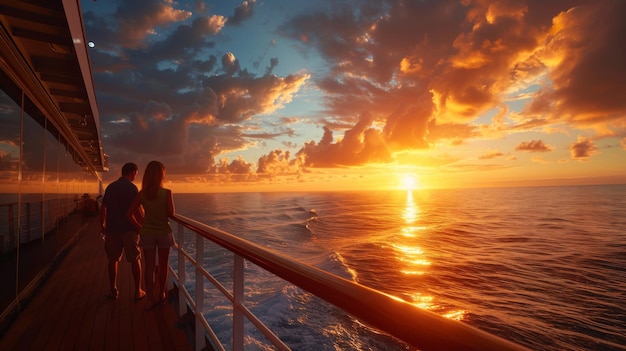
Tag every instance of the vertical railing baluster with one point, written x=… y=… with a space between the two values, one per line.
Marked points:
x=42 y=217
x=12 y=230
x=182 y=274
x=199 y=333
x=28 y=222
x=237 y=303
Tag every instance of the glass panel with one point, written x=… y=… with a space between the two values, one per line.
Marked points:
x=41 y=184
x=31 y=186
x=52 y=212
x=9 y=184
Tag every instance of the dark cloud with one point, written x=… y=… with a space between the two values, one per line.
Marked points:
x=183 y=44
x=240 y=99
x=230 y=64
x=242 y=12
x=273 y=64
x=137 y=19
x=237 y=166
x=267 y=135
x=179 y=104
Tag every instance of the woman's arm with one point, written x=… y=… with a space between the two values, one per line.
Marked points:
x=135 y=213
x=170 y=203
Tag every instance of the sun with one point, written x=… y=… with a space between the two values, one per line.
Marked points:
x=409 y=182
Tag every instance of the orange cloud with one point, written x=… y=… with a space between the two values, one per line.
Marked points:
x=214 y=24
x=583 y=149
x=534 y=146
x=359 y=145
x=478 y=74
x=133 y=29
x=490 y=155
x=539 y=159
x=277 y=162
x=585 y=58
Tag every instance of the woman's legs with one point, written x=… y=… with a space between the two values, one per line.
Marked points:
x=150 y=257
x=164 y=255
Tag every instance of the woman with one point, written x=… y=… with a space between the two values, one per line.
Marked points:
x=156 y=231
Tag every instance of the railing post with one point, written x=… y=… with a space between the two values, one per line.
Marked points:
x=43 y=222
x=199 y=332
x=11 y=215
x=182 y=274
x=238 y=288
x=28 y=222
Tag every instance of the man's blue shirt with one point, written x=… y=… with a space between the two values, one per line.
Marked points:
x=118 y=197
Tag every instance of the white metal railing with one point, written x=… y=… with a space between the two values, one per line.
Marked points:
x=417 y=327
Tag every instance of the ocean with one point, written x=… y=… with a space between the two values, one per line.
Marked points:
x=544 y=267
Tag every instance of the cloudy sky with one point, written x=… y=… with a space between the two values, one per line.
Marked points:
x=327 y=94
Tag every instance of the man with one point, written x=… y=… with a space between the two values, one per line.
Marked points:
x=120 y=234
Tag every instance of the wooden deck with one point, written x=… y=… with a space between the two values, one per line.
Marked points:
x=71 y=311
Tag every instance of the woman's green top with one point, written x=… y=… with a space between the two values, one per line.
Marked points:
x=156 y=221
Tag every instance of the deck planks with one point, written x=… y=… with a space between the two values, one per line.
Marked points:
x=71 y=311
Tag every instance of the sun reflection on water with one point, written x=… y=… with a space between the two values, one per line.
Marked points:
x=408 y=253
x=410 y=215
x=411 y=210
x=413 y=261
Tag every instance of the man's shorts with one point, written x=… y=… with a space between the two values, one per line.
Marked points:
x=157 y=241
x=117 y=243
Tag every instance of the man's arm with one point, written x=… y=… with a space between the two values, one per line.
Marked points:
x=103 y=218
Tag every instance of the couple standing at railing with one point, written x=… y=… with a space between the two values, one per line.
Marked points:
x=132 y=220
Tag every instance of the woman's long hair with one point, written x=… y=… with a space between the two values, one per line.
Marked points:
x=153 y=179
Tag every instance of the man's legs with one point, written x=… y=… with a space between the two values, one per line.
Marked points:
x=113 y=248
x=113 y=266
x=133 y=255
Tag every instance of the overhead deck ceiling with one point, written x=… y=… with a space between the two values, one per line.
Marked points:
x=43 y=46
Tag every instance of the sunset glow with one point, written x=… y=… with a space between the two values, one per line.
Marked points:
x=409 y=182
x=326 y=95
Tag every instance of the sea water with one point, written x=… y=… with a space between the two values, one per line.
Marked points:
x=544 y=267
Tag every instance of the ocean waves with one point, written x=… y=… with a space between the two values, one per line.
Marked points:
x=544 y=267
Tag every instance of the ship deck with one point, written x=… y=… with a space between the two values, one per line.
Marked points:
x=71 y=312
